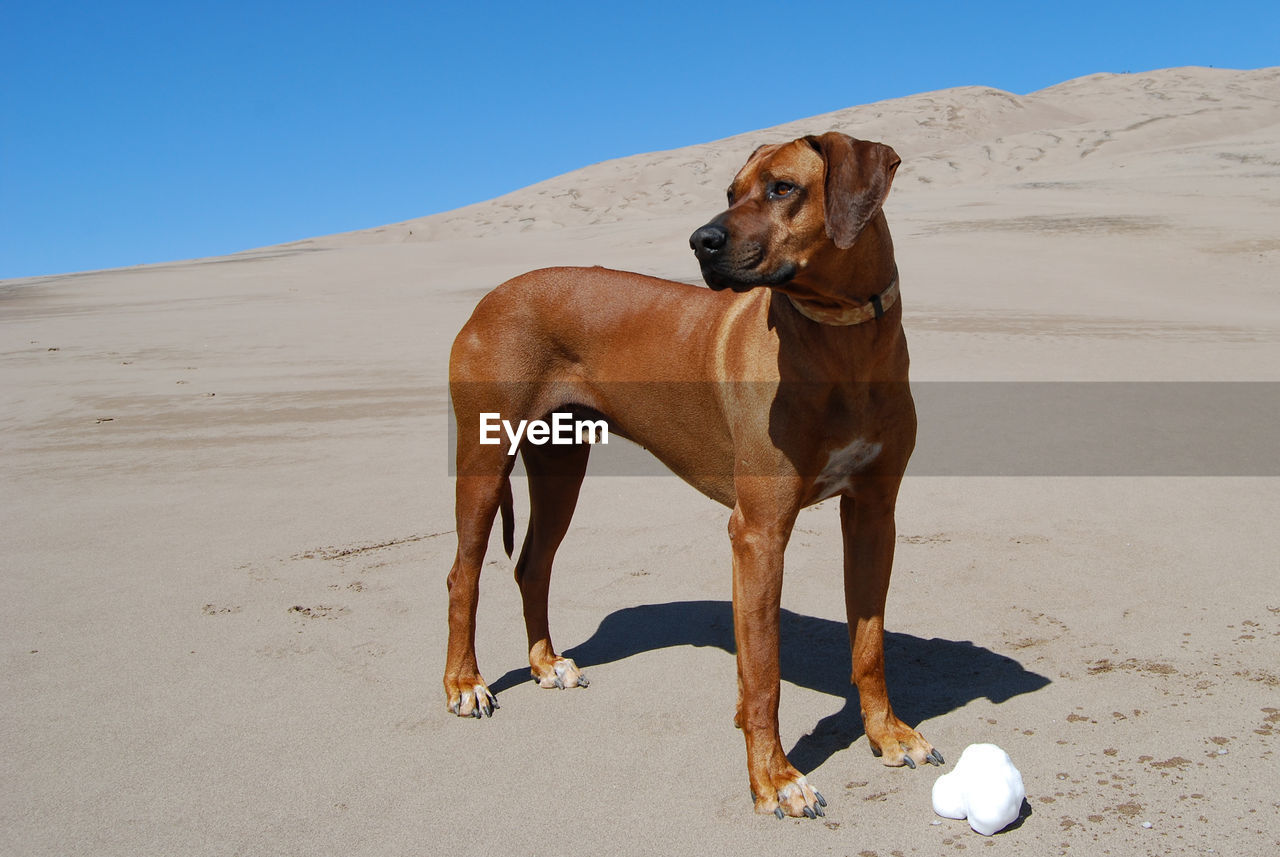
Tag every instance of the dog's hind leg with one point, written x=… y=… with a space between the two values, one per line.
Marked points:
x=478 y=501
x=555 y=477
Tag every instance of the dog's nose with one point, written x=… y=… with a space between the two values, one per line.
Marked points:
x=708 y=241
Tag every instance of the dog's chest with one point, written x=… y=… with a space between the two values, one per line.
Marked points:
x=842 y=465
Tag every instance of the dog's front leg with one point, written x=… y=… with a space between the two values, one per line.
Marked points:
x=867 y=524
x=758 y=544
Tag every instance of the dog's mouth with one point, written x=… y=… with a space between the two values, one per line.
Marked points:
x=739 y=280
x=743 y=270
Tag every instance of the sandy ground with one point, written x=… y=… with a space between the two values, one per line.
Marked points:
x=228 y=519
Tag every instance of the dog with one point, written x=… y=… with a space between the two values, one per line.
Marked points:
x=781 y=385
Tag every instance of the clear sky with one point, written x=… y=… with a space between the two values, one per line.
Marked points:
x=135 y=132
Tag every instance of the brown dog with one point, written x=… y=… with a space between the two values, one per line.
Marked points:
x=783 y=384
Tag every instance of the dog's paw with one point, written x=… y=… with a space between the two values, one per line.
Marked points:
x=562 y=673
x=904 y=746
x=795 y=798
x=472 y=699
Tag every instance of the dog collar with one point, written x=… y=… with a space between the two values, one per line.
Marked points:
x=872 y=309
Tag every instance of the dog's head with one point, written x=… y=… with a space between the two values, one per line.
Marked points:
x=792 y=206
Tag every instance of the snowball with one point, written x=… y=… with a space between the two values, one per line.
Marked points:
x=984 y=787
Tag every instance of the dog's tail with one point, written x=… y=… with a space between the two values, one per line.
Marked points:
x=506 y=507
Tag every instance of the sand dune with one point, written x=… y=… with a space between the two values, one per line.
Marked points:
x=953 y=137
x=228 y=519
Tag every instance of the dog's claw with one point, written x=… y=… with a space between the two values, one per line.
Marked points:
x=935 y=758
x=779 y=813
x=819 y=811
x=821 y=800
x=808 y=812
x=909 y=762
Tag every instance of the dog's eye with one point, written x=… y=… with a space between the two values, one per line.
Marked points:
x=781 y=189
x=729 y=194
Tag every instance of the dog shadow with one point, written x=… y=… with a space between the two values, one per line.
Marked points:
x=926 y=678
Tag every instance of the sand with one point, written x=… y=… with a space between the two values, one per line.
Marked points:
x=228 y=519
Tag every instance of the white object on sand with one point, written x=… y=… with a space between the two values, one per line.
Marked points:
x=984 y=787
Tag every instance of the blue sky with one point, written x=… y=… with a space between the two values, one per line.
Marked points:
x=135 y=132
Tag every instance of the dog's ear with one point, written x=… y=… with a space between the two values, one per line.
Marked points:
x=859 y=174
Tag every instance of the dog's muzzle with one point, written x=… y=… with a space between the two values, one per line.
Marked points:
x=710 y=245
x=737 y=267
